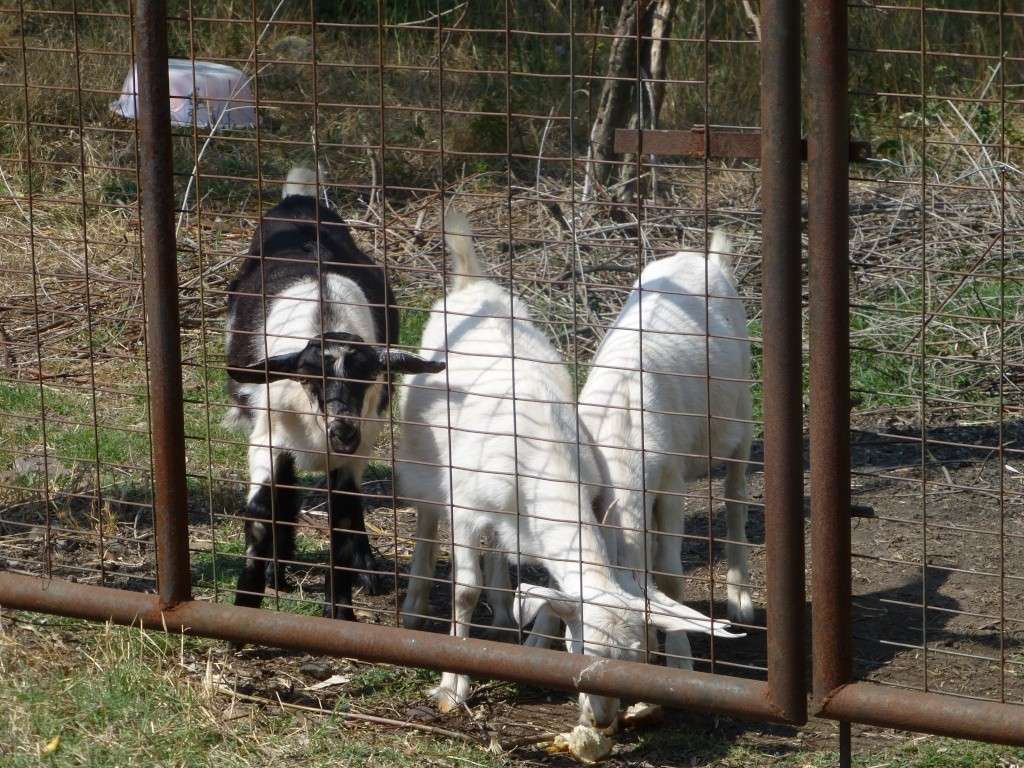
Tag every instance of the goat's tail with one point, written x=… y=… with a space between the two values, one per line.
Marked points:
x=301 y=181
x=458 y=236
x=721 y=251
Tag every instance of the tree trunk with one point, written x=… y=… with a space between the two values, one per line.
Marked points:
x=654 y=62
x=620 y=105
x=615 y=105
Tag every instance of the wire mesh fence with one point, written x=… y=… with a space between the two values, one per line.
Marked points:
x=936 y=335
x=401 y=114
x=383 y=419
x=77 y=495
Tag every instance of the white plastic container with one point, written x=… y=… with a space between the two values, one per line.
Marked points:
x=222 y=95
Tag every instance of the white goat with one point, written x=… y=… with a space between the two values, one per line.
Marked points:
x=652 y=427
x=515 y=477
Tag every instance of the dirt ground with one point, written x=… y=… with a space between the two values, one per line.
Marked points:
x=973 y=586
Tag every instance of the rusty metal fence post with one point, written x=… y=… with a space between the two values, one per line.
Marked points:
x=783 y=442
x=160 y=277
x=828 y=212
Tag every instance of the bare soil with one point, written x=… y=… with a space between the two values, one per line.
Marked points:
x=965 y=607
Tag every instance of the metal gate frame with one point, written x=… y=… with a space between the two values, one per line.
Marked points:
x=835 y=694
x=782 y=698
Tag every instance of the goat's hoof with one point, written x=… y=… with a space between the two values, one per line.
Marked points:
x=741 y=606
x=277 y=578
x=641 y=714
x=446 y=702
x=452 y=693
x=342 y=612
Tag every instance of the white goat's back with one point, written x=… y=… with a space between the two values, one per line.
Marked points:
x=483 y=377
x=689 y=313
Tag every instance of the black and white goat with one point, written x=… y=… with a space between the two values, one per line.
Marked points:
x=311 y=321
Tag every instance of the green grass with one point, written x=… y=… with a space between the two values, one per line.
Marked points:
x=216 y=573
x=962 y=351
x=208 y=442
x=120 y=436
x=120 y=697
x=413 y=321
x=383 y=683
x=73 y=432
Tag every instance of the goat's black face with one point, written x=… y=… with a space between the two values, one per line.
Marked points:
x=350 y=369
x=337 y=373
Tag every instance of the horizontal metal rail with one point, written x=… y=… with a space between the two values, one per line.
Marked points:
x=938 y=713
x=698 y=142
x=371 y=642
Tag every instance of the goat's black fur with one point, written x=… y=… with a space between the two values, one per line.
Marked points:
x=350 y=547
x=261 y=538
x=284 y=251
x=297 y=238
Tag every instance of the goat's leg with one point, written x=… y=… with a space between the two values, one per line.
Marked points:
x=271 y=514
x=737 y=551
x=668 y=524
x=350 y=546
x=499 y=592
x=287 y=506
x=454 y=688
x=545 y=632
x=416 y=605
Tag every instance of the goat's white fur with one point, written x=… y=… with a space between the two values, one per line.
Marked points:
x=513 y=476
x=300 y=181
x=290 y=421
x=624 y=409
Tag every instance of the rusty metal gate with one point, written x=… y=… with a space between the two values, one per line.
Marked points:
x=774 y=690
x=779 y=697
x=988 y=706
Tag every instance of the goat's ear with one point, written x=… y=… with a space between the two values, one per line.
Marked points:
x=397 y=361
x=668 y=615
x=530 y=599
x=272 y=369
x=278 y=367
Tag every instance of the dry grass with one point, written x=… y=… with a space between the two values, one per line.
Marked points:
x=74 y=279
x=71 y=311
x=79 y=694
x=82 y=694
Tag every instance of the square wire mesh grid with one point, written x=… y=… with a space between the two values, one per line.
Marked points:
x=936 y=348
x=75 y=465
x=403 y=111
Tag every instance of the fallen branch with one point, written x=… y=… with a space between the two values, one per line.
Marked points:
x=223 y=689
x=590 y=269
